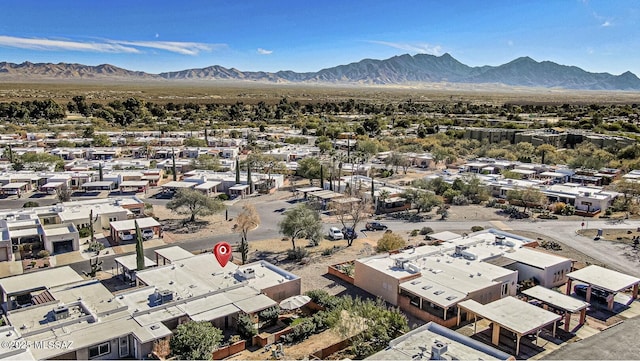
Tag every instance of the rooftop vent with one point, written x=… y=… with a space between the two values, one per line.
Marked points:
x=438 y=349
x=60 y=312
x=164 y=296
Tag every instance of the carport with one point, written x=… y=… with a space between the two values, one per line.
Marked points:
x=51 y=187
x=129 y=265
x=17 y=188
x=559 y=301
x=97 y=186
x=307 y=190
x=604 y=279
x=511 y=314
x=134 y=186
x=208 y=188
x=130 y=225
x=239 y=190
x=325 y=196
x=174 y=186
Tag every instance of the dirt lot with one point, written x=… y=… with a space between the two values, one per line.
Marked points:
x=177 y=230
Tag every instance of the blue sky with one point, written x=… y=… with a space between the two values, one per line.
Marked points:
x=308 y=35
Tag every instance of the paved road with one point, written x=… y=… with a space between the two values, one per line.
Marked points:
x=270 y=211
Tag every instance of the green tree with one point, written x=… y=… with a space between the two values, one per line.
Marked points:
x=247 y=220
x=206 y=162
x=301 y=222
x=309 y=168
x=527 y=197
x=41 y=161
x=195 y=340
x=630 y=190
x=424 y=201
x=139 y=249
x=194 y=203
x=30 y=204
x=101 y=140
x=195 y=142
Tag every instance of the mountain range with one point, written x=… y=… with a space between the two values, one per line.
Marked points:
x=398 y=70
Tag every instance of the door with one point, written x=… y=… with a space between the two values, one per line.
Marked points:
x=123 y=350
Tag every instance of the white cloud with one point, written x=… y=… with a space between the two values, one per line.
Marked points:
x=56 y=45
x=264 y=51
x=185 y=48
x=606 y=23
x=422 y=48
x=107 y=45
x=510 y=42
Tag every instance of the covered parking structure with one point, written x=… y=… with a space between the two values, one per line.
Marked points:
x=510 y=313
x=325 y=197
x=603 y=279
x=129 y=265
x=306 y=190
x=17 y=188
x=558 y=301
x=134 y=186
x=174 y=186
x=52 y=187
x=209 y=187
x=98 y=186
x=118 y=228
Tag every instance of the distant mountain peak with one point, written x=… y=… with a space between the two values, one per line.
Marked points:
x=400 y=69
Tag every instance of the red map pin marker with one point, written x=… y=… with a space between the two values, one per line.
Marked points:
x=222 y=251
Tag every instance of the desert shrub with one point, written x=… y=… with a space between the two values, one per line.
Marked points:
x=297 y=254
x=328 y=251
x=492 y=203
x=246 y=327
x=269 y=315
x=43 y=254
x=390 y=241
x=460 y=200
x=558 y=207
x=223 y=196
x=301 y=329
x=414 y=233
x=476 y=228
x=84 y=232
x=30 y=204
x=95 y=247
x=323 y=299
x=426 y=230
x=569 y=210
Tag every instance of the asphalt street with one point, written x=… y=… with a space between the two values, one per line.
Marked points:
x=271 y=212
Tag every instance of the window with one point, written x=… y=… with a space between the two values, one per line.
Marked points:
x=505 y=288
x=99 y=350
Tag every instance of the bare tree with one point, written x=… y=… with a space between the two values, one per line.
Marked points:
x=247 y=220
x=351 y=212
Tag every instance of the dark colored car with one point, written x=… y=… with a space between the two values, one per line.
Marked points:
x=349 y=233
x=376 y=226
x=596 y=294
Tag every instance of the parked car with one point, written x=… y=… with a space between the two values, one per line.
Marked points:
x=335 y=234
x=126 y=236
x=376 y=226
x=596 y=294
x=349 y=233
x=147 y=233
